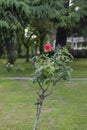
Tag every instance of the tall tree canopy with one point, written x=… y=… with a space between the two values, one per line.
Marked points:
x=62 y=14
x=14 y=15
x=44 y=16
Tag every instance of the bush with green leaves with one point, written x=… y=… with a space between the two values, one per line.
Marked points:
x=49 y=70
x=9 y=67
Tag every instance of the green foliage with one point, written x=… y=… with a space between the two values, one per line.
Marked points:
x=52 y=68
x=14 y=16
x=55 y=12
x=43 y=16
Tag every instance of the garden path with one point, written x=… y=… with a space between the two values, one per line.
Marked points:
x=31 y=78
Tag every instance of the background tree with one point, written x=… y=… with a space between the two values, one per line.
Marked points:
x=44 y=17
x=43 y=12
x=14 y=16
x=64 y=15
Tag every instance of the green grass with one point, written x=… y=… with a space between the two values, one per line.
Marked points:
x=79 y=68
x=20 y=68
x=65 y=109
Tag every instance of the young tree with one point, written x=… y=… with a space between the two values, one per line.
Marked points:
x=49 y=70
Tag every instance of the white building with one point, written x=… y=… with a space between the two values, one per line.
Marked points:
x=76 y=42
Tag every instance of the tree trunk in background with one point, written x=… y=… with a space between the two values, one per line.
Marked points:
x=27 y=54
x=61 y=36
x=10 y=46
x=1 y=49
x=41 y=45
x=19 y=51
x=42 y=37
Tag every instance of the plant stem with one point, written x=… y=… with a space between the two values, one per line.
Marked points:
x=39 y=107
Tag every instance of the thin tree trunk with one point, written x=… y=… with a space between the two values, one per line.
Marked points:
x=27 y=54
x=42 y=96
x=42 y=36
x=39 y=107
x=19 y=51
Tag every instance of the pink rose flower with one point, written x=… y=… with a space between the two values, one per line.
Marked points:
x=47 y=47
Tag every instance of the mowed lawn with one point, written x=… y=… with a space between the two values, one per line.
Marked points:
x=79 y=68
x=65 y=109
x=22 y=68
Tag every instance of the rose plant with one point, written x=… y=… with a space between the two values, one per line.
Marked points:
x=49 y=70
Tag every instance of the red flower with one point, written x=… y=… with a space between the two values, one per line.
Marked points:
x=47 y=47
